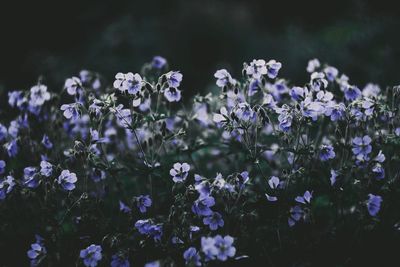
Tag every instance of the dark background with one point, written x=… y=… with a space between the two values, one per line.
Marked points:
x=59 y=38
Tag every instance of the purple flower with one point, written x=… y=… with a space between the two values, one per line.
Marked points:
x=224 y=78
x=312 y=109
x=202 y=206
x=379 y=171
x=285 y=118
x=128 y=82
x=295 y=214
x=371 y=90
x=46 y=168
x=305 y=199
x=153 y=264
x=318 y=81
x=16 y=98
x=71 y=111
x=3 y=132
x=254 y=87
x=146 y=227
x=158 y=62
x=331 y=73
x=143 y=202
x=298 y=93
x=222 y=116
x=257 y=68
x=123 y=207
x=224 y=247
x=172 y=94
x=244 y=112
x=12 y=148
x=2 y=166
x=124 y=117
x=118 y=260
x=39 y=95
x=208 y=247
x=335 y=111
x=326 y=153
x=179 y=172
x=90 y=79
x=242 y=178
x=46 y=142
x=155 y=231
x=334 y=175
x=380 y=157
x=273 y=68
x=37 y=251
x=273 y=182
x=214 y=221
x=91 y=255
x=143 y=226
x=6 y=186
x=362 y=147
x=218 y=247
x=67 y=180
x=97 y=175
x=203 y=188
x=313 y=64
x=174 y=78
x=374 y=204
x=72 y=84
x=192 y=257
x=31 y=179
x=271 y=198
x=351 y=93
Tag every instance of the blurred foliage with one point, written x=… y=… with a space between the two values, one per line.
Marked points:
x=57 y=39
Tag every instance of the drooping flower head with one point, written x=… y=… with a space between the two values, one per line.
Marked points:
x=31 y=178
x=295 y=214
x=374 y=204
x=37 y=251
x=158 y=62
x=46 y=142
x=273 y=68
x=6 y=186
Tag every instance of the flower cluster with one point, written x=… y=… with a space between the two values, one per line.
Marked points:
x=260 y=168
